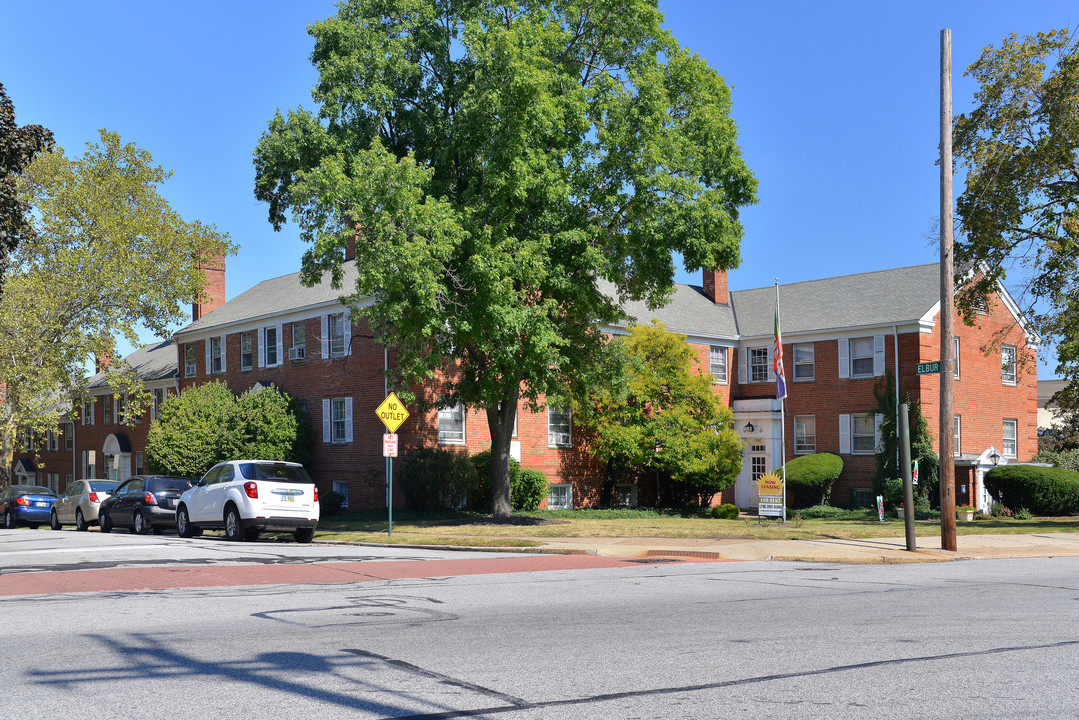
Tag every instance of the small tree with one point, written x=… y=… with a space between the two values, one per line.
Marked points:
x=208 y=424
x=921 y=442
x=663 y=415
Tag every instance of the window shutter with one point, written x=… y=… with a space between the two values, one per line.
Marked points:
x=280 y=346
x=878 y=418
x=348 y=419
x=325 y=335
x=844 y=361
x=222 y=353
x=326 y=421
x=743 y=366
x=844 y=434
x=771 y=364
x=93 y=406
x=262 y=347
x=346 y=324
x=878 y=355
x=209 y=360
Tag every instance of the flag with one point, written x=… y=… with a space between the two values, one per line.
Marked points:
x=777 y=359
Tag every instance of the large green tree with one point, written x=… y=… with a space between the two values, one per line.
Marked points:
x=208 y=424
x=500 y=161
x=18 y=146
x=662 y=415
x=105 y=254
x=1020 y=208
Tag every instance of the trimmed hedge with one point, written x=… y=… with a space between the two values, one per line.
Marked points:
x=1041 y=490
x=726 y=511
x=810 y=478
x=528 y=489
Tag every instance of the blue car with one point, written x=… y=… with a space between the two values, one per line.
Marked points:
x=26 y=505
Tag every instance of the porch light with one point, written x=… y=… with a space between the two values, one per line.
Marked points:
x=749 y=428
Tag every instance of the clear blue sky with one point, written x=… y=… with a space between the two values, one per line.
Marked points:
x=837 y=106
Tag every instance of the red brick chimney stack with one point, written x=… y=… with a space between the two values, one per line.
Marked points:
x=715 y=286
x=213 y=294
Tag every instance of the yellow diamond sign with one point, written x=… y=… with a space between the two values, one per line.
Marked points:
x=392 y=412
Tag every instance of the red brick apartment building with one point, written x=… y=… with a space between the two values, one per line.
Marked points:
x=841 y=336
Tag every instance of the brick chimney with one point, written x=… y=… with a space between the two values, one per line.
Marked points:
x=350 y=248
x=715 y=286
x=213 y=293
x=102 y=362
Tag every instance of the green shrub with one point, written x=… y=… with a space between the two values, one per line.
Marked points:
x=1041 y=490
x=528 y=489
x=726 y=511
x=892 y=492
x=810 y=477
x=330 y=503
x=1023 y=514
x=1067 y=459
x=436 y=479
x=480 y=493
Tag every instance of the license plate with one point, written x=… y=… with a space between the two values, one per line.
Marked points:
x=169 y=502
x=41 y=504
x=289 y=498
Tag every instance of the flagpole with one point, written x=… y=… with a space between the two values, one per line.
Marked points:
x=782 y=380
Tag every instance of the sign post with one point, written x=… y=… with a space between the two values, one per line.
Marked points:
x=392 y=413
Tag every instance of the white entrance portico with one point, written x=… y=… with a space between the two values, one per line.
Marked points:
x=758 y=423
x=117 y=455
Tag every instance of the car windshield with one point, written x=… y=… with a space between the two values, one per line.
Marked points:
x=279 y=472
x=105 y=487
x=33 y=490
x=169 y=483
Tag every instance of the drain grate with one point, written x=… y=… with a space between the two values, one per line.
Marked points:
x=683 y=553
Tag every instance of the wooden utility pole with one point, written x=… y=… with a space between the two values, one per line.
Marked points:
x=947 y=303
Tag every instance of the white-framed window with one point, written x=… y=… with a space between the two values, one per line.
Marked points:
x=89 y=463
x=560 y=496
x=341 y=488
x=451 y=425
x=139 y=462
x=718 y=364
x=272 y=342
x=88 y=411
x=861 y=357
x=106 y=409
x=758 y=365
x=956 y=351
x=337 y=420
x=121 y=410
x=52 y=441
x=189 y=360
x=69 y=436
x=625 y=494
x=805 y=434
x=298 y=351
x=559 y=427
x=863 y=438
x=957 y=436
x=859 y=434
x=804 y=361
x=217 y=355
x=246 y=357
x=158 y=401
x=336 y=335
x=1011 y=445
x=1007 y=364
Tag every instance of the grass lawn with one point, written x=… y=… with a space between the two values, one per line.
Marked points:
x=531 y=529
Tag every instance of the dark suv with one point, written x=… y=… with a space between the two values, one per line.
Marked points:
x=143 y=502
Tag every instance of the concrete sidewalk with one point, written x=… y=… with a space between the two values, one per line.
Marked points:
x=867 y=551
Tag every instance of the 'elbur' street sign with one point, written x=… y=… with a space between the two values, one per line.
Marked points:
x=929 y=368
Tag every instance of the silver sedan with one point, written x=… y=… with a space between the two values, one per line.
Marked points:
x=79 y=504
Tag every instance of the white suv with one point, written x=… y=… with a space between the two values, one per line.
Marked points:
x=245 y=497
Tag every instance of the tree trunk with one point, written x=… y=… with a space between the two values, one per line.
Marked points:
x=500 y=422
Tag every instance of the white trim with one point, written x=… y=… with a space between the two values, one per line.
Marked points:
x=844 y=434
x=743 y=366
x=262 y=347
x=325 y=319
x=878 y=355
x=348 y=419
x=844 y=358
x=254 y=321
x=326 y=429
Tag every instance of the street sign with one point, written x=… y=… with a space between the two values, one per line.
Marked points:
x=392 y=412
x=929 y=368
x=389 y=445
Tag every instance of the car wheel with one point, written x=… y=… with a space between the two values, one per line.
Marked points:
x=252 y=534
x=138 y=523
x=54 y=522
x=9 y=520
x=104 y=522
x=233 y=526
x=304 y=535
x=80 y=521
x=183 y=523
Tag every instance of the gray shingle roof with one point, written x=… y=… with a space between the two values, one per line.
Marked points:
x=884 y=297
x=1047 y=389
x=276 y=296
x=689 y=312
x=151 y=362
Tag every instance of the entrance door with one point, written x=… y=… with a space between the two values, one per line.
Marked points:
x=756 y=465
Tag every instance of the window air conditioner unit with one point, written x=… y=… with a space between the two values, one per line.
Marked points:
x=297 y=353
x=558 y=439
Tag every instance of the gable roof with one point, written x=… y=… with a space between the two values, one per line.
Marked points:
x=150 y=362
x=689 y=312
x=882 y=297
